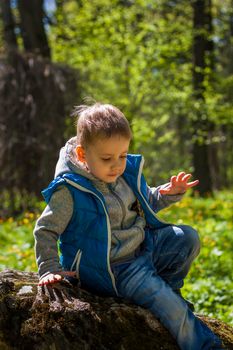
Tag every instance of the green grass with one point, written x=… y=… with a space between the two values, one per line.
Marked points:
x=16 y=240
x=209 y=283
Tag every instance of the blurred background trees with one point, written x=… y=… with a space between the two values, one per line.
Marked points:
x=166 y=64
x=35 y=96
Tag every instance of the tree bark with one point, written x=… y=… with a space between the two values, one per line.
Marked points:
x=64 y=317
x=214 y=147
x=32 y=27
x=8 y=25
x=35 y=97
x=200 y=121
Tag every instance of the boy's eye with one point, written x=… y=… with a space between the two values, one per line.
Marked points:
x=108 y=159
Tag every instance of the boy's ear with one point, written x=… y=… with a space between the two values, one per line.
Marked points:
x=80 y=153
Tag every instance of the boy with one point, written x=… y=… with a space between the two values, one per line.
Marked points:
x=103 y=214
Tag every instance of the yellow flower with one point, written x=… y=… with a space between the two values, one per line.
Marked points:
x=30 y=215
x=25 y=221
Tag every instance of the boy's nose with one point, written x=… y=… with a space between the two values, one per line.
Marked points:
x=116 y=164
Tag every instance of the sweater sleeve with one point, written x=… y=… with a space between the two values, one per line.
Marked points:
x=160 y=201
x=50 y=225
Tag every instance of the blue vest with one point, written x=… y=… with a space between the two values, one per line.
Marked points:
x=86 y=242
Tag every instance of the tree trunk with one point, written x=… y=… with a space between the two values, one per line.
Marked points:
x=200 y=123
x=214 y=147
x=65 y=317
x=35 y=97
x=8 y=25
x=32 y=27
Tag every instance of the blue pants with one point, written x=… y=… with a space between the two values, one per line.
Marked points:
x=158 y=270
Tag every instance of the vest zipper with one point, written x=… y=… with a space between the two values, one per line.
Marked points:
x=76 y=262
x=74 y=184
x=121 y=205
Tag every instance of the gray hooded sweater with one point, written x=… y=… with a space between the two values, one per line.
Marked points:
x=127 y=224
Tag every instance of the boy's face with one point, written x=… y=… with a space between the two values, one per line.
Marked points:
x=105 y=159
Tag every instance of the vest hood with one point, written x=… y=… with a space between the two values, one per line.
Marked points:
x=68 y=162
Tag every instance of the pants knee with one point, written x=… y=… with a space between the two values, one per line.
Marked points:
x=192 y=238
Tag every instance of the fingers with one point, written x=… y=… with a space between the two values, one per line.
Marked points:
x=192 y=184
x=173 y=180
x=56 y=277
x=186 y=177
x=183 y=178
x=178 y=184
x=49 y=279
x=180 y=176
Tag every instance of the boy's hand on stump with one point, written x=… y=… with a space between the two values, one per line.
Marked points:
x=56 y=295
x=55 y=277
x=179 y=184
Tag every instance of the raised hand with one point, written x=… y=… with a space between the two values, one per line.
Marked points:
x=179 y=184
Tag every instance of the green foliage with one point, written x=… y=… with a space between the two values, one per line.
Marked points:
x=209 y=283
x=138 y=56
x=17 y=242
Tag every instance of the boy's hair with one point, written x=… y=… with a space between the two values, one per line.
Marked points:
x=100 y=121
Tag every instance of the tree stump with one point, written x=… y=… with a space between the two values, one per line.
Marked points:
x=63 y=317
